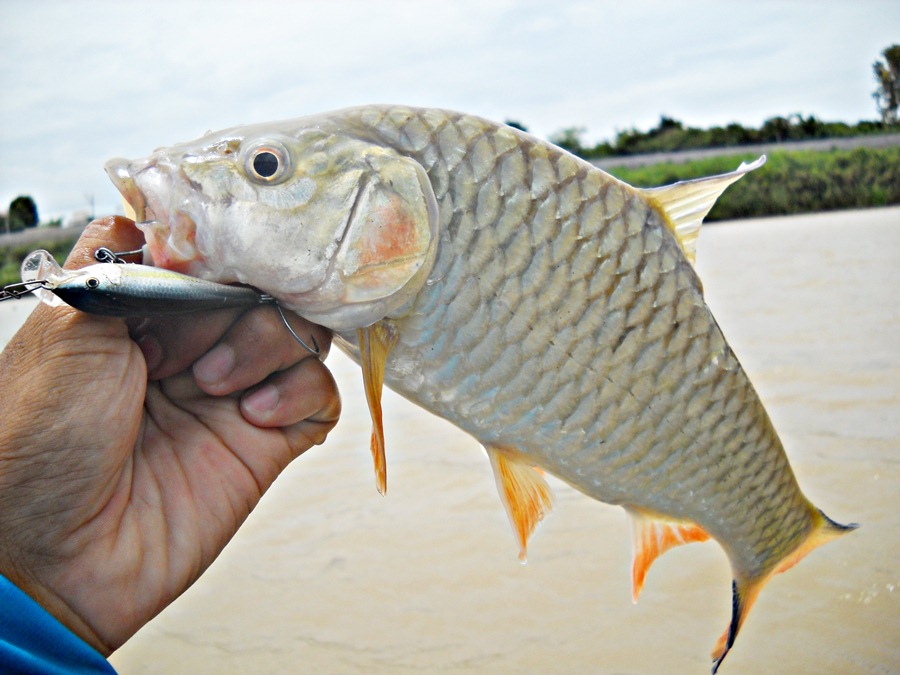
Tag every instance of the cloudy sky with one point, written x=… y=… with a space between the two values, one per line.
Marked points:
x=81 y=82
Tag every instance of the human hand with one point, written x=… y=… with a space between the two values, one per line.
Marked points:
x=130 y=455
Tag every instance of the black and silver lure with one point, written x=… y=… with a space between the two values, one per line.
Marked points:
x=125 y=290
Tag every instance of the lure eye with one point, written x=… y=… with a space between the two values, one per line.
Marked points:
x=267 y=163
x=92 y=282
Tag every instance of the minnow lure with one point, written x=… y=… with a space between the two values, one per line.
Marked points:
x=122 y=290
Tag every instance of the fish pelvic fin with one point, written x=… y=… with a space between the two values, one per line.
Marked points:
x=686 y=203
x=525 y=494
x=653 y=535
x=745 y=591
x=375 y=344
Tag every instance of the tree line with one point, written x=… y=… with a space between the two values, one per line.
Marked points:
x=672 y=135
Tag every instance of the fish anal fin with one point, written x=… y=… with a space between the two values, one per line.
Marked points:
x=525 y=494
x=652 y=536
x=375 y=343
x=745 y=592
x=686 y=203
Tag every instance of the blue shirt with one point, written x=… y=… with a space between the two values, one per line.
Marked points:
x=34 y=642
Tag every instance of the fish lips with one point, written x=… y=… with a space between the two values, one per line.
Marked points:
x=152 y=190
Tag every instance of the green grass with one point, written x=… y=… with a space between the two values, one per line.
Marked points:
x=12 y=257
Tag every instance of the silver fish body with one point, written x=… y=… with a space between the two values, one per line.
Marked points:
x=546 y=308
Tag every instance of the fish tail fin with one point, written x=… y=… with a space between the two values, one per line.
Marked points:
x=824 y=530
x=652 y=536
x=685 y=204
x=745 y=592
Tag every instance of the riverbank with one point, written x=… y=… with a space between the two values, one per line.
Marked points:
x=685 y=156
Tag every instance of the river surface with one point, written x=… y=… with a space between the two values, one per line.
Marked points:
x=328 y=577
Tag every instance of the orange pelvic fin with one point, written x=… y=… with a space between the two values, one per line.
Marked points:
x=523 y=491
x=652 y=536
x=375 y=343
x=745 y=592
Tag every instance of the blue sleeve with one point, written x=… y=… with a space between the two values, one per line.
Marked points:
x=34 y=642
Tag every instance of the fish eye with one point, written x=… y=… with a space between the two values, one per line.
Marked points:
x=92 y=282
x=267 y=163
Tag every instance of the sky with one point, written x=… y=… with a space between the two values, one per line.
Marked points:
x=81 y=82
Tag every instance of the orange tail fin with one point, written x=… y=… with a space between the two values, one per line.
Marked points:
x=745 y=592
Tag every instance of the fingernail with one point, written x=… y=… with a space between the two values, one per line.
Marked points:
x=215 y=365
x=263 y=400
x=152 y=351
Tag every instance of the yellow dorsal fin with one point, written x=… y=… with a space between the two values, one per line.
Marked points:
x=651 y=537
x=523 y=491
x=687 y=202
x=745 y=591
x=375 y=343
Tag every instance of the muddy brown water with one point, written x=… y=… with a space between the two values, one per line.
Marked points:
x=328 y=577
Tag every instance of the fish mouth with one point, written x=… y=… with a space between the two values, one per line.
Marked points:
x=152 y=191
x=120 y=172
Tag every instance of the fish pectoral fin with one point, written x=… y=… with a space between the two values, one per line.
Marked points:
x=525 y=494
x=652 y=536
x=375 y=343
x=745 y=592
x=686 y=203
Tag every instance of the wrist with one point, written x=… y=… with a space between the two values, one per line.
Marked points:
x=51 y=602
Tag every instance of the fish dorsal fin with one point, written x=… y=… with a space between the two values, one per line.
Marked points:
x=523 y=491
x=375 y=343
x=653 y=536
x=686 y=203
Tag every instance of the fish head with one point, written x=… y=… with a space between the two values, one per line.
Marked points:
x=339 y=229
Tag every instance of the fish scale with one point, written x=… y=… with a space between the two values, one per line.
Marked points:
x=548 y=309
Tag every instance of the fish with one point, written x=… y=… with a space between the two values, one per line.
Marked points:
x=548 y=309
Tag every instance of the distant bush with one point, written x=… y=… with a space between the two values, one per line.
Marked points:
x=671 y=135
x=790 y=182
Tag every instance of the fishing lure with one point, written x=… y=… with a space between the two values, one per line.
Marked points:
x=114 y=288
